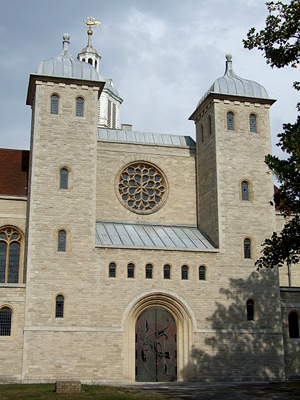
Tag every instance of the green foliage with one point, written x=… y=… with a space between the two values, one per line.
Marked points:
x=280 y=42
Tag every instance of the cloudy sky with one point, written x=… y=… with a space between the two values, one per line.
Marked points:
x=162 y=55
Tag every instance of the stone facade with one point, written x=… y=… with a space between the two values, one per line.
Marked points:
x=218 y=337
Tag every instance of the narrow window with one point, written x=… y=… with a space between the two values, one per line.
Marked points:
x=64 y=177
x=247 y=248
x=230 y=121
x=90 y=61
x=54 y=104
x=209 y=125
x=114 y=116
x=96 y=64
x=130 y=271
x=245 y=191
x=83 y=60
x=79 y=107
x=202 y=134
x=62 y=241
x=202 y=271
x=252 y=122
x=5 y=321
x=250 y=310
x=10 y=260
x=184 y=272
x=112 y=270
x=167 y=272
x=109 y=124
x=59 y=306
x=293 y=325
x=149 y=270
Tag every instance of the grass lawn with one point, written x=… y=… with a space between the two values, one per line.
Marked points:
x=46 y=391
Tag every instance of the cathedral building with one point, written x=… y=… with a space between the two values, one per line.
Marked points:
x=129 y=256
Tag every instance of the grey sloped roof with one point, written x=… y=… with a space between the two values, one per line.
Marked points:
x=232 y=84
x=156 y=139
x=67 y=66
x=173 y=237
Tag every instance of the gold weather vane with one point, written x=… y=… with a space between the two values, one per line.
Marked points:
x=89 y=22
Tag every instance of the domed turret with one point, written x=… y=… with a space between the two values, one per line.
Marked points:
x=232 y=84
x=67 y=66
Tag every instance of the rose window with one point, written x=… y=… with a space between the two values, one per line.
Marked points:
x=142 y=187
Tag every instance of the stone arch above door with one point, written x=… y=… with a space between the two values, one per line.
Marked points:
x=185 y=322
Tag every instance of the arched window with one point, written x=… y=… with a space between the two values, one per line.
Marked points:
x=64 y=177
x=112 y=269
x=10 y=251
x=202 y=273
x=247 y=248
x=167 y=272
x=293 y=325
x=54 y=104
x=59 y=306
x=96 y=64
x=230 y=121
x=184 y=272
x=245 y=191
x=90 y=61
x=130 y=271
x=5 y=321
x=149 y=270
x=250 y=310
x=62 y=240
x=252 y=122
x=79 y=107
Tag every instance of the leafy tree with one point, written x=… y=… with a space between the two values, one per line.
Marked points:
x=280 y=43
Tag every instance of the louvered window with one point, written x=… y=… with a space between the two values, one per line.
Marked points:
x=64 y=175
x=230 y=121
x=167 y=272
x=250 y=310
x=59 y=306
x=202 y=271
x=184 y=272
x=252 y=121
x=62 y=241
x=109 y=114
x=112 y=270
x=245 y=191
x=5 y=321
x=247 y=248
x=54 y=104
x=79 y=107
x=114 y=116
x=293 y=325
x=149 y=270
x=130 y=271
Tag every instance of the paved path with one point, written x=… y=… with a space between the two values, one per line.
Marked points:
x=212 y=391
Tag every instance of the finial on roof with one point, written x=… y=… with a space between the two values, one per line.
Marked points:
x=229 y=70
x=89 y=22
x=66 y=42
x=228 y=57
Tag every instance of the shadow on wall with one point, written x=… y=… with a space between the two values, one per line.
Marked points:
x=234 y=348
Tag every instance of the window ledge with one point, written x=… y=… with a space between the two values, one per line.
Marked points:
x=13 y=285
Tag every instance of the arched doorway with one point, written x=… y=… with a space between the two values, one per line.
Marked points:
x=156 y=346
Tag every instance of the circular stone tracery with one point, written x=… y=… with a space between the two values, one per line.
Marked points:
x=142 y=187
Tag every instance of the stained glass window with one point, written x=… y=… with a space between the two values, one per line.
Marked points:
x=112 y=270
x=54 y=104
x=247 y=248
x=252 y=121
x=64 y=176
x=245 y=191
x=5 y=321
x=230 y=121
x=59 y=306
x=10 y=250
x=142 y=187
x=62 y=241
x=250 y=310
x=79 y=107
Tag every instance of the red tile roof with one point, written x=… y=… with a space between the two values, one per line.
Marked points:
x=14 y=165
